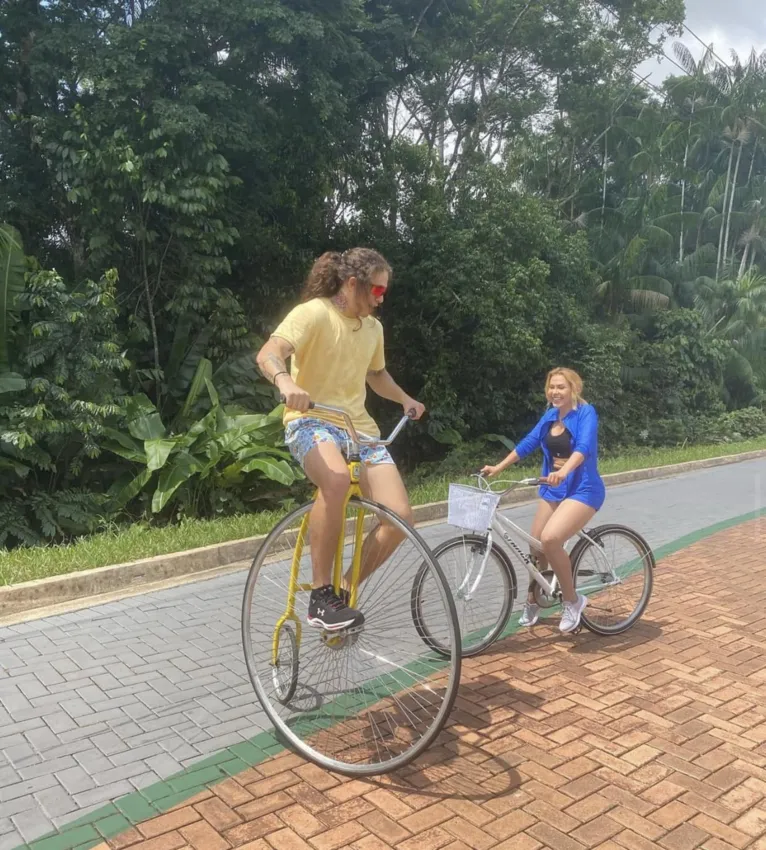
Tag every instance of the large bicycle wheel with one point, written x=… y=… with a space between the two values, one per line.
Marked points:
x=362 y=703
x=483 y=589
x=615 y=572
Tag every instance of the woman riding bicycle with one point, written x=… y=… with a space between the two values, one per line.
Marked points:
x=336 y=349
x=568 y=435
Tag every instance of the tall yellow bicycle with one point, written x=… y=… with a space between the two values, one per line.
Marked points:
x=359 y=701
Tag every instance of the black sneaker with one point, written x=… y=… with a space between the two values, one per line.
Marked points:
x=329 y=611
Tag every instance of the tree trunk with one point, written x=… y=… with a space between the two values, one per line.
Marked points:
x=603 y=191
x=731 y=206
x=744 y=262
x=683 y=182
x=723 y=214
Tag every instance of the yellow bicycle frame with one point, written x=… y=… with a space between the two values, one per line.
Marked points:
x=294 y=586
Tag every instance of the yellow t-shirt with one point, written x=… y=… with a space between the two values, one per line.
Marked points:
x=332 y=357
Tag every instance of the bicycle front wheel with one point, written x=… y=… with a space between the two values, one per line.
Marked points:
x=616 y=572
x=483 y=585
x=359 y=703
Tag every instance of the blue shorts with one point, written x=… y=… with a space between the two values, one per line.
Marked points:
x=593 y=497
x=301 y=435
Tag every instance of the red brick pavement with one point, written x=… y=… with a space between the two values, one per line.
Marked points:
x=654 y=739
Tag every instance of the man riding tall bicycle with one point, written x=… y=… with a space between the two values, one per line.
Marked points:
x=336 y=349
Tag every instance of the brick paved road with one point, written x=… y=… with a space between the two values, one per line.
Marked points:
x=654 y=740
x=98 y=703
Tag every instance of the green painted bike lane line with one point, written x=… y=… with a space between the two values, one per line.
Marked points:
x=128 y=811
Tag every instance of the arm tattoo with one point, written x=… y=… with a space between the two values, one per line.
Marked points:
x=272 y=365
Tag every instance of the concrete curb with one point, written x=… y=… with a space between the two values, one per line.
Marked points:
x=179 y=567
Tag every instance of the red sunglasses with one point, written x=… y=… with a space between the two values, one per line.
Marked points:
x=378 y=291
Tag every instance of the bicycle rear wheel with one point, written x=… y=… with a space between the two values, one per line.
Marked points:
x=615 y=572
x=483 y=598
x=361 y=703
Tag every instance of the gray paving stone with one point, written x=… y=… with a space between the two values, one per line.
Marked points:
x=25 y=652
x=18 y=805
x=75 y=780
x=48 y=766
x=93 y=760
x=56 y=802
x=19 y=754
x=166 y=722
x=16 y=704
x=170 y=762
x=12 y=741
x=41 y=739
x=108 y=716
x=26 y=787
x=60 y=721
x=11 y=841
x=136 y=754
x=106 y=681
x=47 y=703
x=70 y=749
x=145 y=780
x=8 y=776
x=64 y=666
x=90 y=693
x=103 y=793
x=76 y=708
x=48 y=676
x=109 y=743
x=84 y=732
x=32 y=824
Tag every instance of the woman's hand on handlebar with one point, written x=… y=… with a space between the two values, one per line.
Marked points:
x=490 y=471
x=293 y=396
x=555 y=478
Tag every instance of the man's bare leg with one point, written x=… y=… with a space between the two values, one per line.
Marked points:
x=327 y=469
x=382 y=483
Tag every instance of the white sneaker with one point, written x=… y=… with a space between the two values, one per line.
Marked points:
x=530 y=614
x=570 y=617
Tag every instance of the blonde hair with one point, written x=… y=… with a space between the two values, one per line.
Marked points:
x=573 y=380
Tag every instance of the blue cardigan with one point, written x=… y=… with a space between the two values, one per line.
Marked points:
x=582 y=424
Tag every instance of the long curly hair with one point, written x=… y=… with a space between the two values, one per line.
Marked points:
x=333 y=269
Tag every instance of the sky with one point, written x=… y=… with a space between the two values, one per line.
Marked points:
x=731 y=24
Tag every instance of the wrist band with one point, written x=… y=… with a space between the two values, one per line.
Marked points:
x=274 y=378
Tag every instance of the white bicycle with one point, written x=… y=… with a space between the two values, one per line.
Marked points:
x=611 y=564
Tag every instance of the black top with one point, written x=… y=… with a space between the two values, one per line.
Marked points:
x=559 y=445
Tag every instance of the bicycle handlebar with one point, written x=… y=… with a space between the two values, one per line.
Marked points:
x=362 y=441
x=485 y=483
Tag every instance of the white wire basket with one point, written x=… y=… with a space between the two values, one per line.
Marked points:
x=471 y=508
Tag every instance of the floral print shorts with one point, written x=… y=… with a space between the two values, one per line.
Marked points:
x=301 y=435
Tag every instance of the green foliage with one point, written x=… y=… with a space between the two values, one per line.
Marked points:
x=740 y=424
x=209 y=466
x=55 y=406
x=539 y=207
x=485 y=297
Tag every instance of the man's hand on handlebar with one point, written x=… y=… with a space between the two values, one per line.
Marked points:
x=490 y=471
x=414 y=409
x=294 y=397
